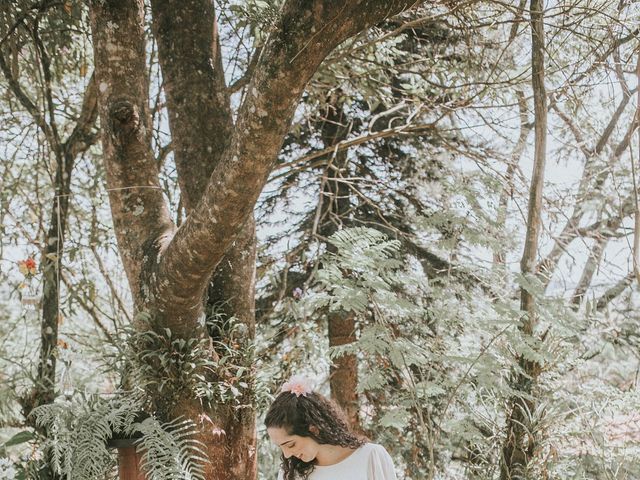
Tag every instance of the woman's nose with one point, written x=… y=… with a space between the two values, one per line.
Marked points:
x=286 y=454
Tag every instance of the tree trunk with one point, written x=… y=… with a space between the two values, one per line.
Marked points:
x=231 y=295
x=65 y=154
x=335 y=205
x=522 y=442
x=222 y=168
x=201 y=126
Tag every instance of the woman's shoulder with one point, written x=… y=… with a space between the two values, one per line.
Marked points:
x=373 y=447
x=373 y=451
x=376 y=453
x=379 y=463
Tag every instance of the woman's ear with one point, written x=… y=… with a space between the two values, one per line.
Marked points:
x=313 y=429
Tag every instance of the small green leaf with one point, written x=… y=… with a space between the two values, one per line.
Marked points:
x=20 y=437
x=395 y=418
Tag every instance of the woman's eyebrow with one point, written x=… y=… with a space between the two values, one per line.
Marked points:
x=287 y=441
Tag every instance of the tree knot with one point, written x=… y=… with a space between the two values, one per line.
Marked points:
x=124 y=116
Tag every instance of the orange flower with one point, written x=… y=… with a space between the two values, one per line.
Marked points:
x=28 y=267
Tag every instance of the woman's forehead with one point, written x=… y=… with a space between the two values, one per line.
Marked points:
x=279 y=435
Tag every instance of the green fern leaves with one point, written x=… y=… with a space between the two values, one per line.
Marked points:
x=78 y=433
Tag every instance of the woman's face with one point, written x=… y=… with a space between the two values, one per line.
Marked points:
x=304 y=448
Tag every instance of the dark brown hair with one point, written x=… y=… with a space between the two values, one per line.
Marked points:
x=297 y=414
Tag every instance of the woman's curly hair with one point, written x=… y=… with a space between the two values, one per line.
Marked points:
x=296 y=414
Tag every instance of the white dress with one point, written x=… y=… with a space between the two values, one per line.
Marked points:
x=369 y=462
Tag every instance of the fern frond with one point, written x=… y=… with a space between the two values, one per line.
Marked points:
x=169 y=451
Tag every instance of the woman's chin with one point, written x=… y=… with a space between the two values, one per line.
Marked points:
x=303 y=459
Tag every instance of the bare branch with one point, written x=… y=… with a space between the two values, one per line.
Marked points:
x=81 y=138
x=614 y=291
x=25 y=101
x=593 y=261
x=91 y=310
x=367 y=137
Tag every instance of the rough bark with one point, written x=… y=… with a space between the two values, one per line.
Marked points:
x=197 y=99
x=231 y=294
x=201 y=125
x=521 y=442
x=140 y=215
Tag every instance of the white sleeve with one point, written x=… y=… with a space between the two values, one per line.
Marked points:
x=280 y=475
x=380 y=465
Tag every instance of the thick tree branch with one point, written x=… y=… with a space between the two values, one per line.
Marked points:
x=303 y=37
x=82 y=136
x=197 y=98
x=614 y=291
x=140 y=214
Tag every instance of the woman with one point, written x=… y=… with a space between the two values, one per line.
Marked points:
x=316 y=441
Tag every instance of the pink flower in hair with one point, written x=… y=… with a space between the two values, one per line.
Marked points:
x=298 y=385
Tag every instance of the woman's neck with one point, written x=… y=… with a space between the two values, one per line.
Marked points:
x=332 y=454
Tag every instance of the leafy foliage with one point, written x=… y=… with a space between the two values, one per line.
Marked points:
x=169 y=452
x=173 y=367
x=78 y=433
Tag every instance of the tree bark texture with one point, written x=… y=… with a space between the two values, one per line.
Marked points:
x=522 y=442
x=201 y=126
x=177 y=275
x=140 y=215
